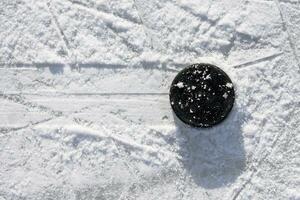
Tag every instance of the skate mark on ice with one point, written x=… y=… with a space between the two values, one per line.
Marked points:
x=239 y=191
x=202 y=17
x=14 y=45
x=90 y=94
x=59 y=29
x=24 y=65
x=146 y=65
x=256 y=165
x=144 y=26
x=281 y=1
x=249 y=63
x=125 y=146
x=32 y=124
x=7 y=130
x=108 y=20
x=102 y=12
x=21 y=100
x=287 y=30
x=253 y=169
x=128 y=145
x=134 y=48
x=290 y=2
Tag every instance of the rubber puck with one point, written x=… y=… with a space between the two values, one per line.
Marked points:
x=202 y=95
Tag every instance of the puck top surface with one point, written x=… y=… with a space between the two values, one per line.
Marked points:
x=202 y=95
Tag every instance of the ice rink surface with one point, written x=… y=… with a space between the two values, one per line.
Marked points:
x=84 y=106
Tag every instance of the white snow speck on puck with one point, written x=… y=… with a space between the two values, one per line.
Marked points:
x=225 y=95
x=229 y=85
x=180 y=84
x=207 y=77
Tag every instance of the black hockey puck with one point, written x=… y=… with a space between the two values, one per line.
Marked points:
x=202 y=95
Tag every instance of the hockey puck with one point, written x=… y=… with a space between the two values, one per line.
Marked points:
x=202 y=95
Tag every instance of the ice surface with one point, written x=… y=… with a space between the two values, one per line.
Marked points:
x=85 y=112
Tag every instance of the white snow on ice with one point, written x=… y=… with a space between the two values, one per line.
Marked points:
x=85 y=112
